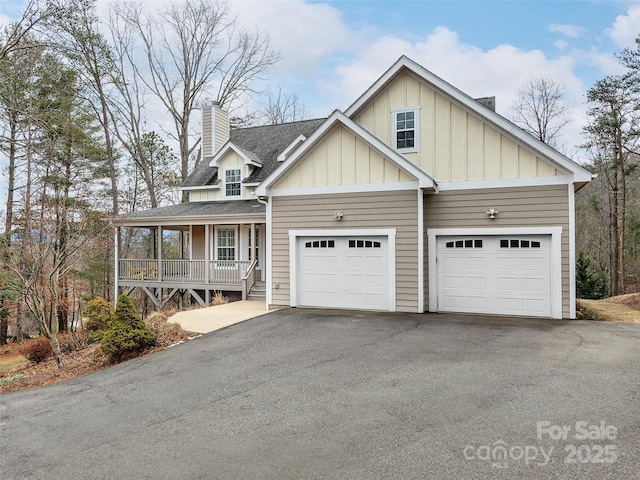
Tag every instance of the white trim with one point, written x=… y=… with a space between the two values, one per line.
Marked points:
x=224 y=182
x=485 y=114
x=299 y=139
x=225 y=149
x=202 y=187
x=506 y=182
x=390 y=233
x=190 y=242
x=572 y=253
x=236 y=243
x=416 y=128
x=420 y=251
x=180 y=221
x=424 y=180
x=556 y=258
x=333 y=189
x=267 y=248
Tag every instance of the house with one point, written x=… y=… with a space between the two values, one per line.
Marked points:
x=417 y=198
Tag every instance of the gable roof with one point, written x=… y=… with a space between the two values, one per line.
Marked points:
x=259 y=145
x=337 y=117
x=500 y=123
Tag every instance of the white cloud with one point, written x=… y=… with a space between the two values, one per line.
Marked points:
x=626 y=27
x=571 y=31
x=501 y=71
x=306 y=34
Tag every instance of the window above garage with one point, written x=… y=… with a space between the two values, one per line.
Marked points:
x=406 y=130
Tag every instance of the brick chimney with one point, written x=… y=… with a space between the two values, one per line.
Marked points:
x=215 y=129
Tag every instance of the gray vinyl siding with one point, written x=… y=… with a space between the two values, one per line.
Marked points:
x=518 y=207
x=397 y=210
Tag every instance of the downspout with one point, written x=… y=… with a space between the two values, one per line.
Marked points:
x=267 y=247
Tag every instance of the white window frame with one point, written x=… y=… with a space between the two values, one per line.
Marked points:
x=235 y=245
x=416 y=129
x=239 y=182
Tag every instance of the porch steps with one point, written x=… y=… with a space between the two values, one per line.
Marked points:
x=258 y=291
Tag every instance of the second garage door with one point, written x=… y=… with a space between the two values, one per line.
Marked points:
x=343 y=272
x=507 y=275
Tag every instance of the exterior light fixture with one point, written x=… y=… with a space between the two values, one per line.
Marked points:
x=492 y=212
x=339 y=216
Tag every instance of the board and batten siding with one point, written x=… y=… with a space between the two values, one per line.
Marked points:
x=396 y=209
x=342 y=158
x=455 y=145
x=518 y=207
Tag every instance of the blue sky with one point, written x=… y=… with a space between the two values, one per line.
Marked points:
x=333 y=50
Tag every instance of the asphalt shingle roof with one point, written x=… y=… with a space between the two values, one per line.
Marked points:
x=195 y=210
x=261 y=144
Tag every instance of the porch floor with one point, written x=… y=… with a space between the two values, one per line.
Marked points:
x=208 y=319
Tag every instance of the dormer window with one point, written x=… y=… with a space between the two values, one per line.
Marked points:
x=405 y=130
x=232 y=182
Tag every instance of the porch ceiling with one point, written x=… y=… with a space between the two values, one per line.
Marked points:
x=229 y=211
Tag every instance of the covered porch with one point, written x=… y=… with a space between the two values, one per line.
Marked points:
x=186 y=253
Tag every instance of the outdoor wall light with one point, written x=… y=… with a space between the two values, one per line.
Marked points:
x=339 y=216
x=492 y=212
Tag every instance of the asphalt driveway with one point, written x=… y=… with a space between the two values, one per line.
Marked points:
x=306 y=394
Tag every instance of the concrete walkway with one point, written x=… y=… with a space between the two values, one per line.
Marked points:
x=208 y=319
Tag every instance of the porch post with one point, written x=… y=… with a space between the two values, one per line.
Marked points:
x=207 y=255
x=159 y=253
x=254 y=250
x=116 y=266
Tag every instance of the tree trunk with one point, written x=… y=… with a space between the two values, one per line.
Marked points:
x=4 y=327
x=19 y=334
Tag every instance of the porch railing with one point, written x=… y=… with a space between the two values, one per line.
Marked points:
x=187 y=271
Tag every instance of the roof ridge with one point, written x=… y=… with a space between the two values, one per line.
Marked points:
x=281 y=124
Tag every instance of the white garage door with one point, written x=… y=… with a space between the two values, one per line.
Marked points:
x=343 y=272
x=506 y=275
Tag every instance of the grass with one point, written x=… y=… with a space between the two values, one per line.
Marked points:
x=11 y=362
x=7 y=380
x=623 y=308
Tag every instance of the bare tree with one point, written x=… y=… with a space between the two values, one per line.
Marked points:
x=612 y=136
x=14 y=34
x=190 y=47
x=541 y=109
x=282 y=107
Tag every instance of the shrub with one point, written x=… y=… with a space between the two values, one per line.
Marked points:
x=127 y=334
x=37 y=350
x=99 y=313
x=585 y=313
x=591 y=282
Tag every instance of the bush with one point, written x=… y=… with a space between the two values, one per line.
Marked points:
x=99 y=313
x=585 y=313
x=591 y=282
x=37 y=350
x=127 y=334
